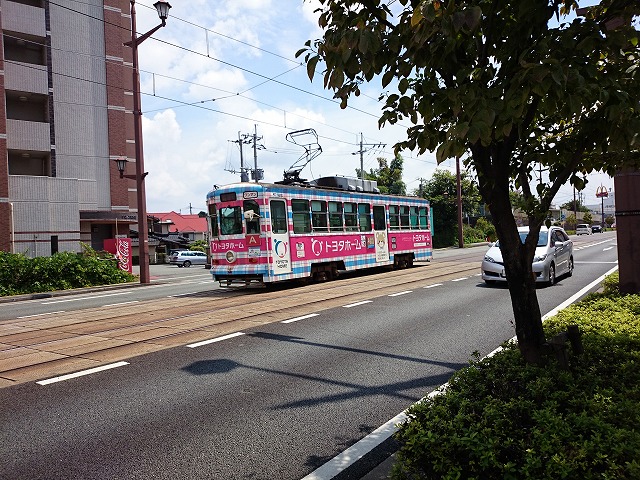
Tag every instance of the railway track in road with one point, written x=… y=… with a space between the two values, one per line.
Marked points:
x=53 y=345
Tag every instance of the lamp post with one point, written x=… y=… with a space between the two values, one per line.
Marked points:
x=143 y=238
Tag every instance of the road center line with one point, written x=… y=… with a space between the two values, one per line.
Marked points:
x=41 y=314
x=303 y=317
x=213 y=340
x=400 y=293
x=78 y=299
x=121 y=303
x=459 y=279
x=82 y=373
x=357 y=304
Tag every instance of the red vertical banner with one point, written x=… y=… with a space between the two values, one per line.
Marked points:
x=121 y=248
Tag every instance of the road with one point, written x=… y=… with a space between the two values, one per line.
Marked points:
x=282 y=395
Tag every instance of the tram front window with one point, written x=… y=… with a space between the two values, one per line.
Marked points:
x=230 y=221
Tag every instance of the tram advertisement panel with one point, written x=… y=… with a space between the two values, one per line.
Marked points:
x=281 y=253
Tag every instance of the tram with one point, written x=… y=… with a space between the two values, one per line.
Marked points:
x=262 y=233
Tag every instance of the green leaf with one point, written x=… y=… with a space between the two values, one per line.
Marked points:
x=387 y=77
x=311 y=66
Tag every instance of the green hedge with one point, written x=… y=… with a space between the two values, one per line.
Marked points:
x=502 y=419
x=20 y=274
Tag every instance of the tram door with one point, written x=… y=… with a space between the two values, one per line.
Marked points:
x=380 y=232
x=280 y=244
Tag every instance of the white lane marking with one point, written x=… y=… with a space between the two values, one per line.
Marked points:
x=400 y=293
x=351 y=455
x=615 y=262
x=608 y=248
x=357 y=304
x=82 y=373
x=434 y=285
x=303 y=317
x=77 y=299
x=41 y=314
x=213 y=340
x=182 y=294
x=459 y=279
x=121 y=303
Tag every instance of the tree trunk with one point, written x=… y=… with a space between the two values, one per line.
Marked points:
x=518 y=258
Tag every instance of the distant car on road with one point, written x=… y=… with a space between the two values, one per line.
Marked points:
x=596 y=229
x=583 y=229
x=553 y=257
x=186 y=258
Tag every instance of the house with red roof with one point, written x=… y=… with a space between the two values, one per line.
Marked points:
x=175 y=230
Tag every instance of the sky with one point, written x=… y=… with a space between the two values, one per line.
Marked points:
x=224 y=68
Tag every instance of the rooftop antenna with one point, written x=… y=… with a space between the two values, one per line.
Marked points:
x=307 y=139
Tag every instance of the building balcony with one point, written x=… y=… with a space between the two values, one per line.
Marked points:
x=28 y=136
x=17 y=17
x=26 y=77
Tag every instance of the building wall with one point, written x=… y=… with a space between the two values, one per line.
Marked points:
x=58 y=177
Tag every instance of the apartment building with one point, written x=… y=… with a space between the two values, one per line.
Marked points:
x=66 y=106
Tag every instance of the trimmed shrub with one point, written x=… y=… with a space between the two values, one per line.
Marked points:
x=64 y=270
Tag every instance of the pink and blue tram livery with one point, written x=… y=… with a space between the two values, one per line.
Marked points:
x=261 y=233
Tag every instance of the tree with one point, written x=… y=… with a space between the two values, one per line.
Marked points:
x=574 y=206
x=388 y=177
x=440 y=190
x=609 y=221
x=587 y=218
x=496 y=83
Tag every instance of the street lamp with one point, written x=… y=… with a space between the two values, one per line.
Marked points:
x=143 y=238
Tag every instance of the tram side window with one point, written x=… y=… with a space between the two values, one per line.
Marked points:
x=230 y=220
x=213 y=220
x=335 y=216
x=301 y=216
x=319 y=215
x=413 y=218
x=364 y=216
x=394 y=217
x=351 y=217
x=404 y=216
x=252 y=216
x=278 y=217
x=423 y=218
x=379 y=218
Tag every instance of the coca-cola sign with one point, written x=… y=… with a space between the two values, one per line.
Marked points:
x=121 y=248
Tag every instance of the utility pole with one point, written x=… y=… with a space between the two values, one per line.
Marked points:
x=362 y=151
x=246 y=139
x=459 y=197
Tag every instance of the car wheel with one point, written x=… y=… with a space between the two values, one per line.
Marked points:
x=552 y=275
x=570 y=267
x=180 y=265
x=187 y=263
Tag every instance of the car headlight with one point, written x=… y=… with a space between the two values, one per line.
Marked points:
x=487 y=258
x=539 y=258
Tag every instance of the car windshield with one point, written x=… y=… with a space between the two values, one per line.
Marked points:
x=542 y=238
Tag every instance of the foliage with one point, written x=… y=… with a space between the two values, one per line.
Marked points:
x=198 y=245
x=503 y=418
x=20 y=274
x=388 y=176
x=472 y=235
x=487 y=228
x=508 y=86
x=441 y=191
x=609 y=221
x=573 y=206
x=587 y=218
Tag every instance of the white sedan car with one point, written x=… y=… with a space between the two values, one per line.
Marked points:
x=553 y=257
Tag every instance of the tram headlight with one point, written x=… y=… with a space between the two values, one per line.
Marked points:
x=230 y=256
